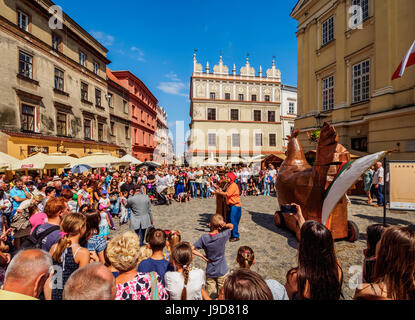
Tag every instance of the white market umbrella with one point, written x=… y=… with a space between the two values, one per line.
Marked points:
x=41 y=161
x=352 y=172
x=129 y=158
x=98 y=160
x=6 y=161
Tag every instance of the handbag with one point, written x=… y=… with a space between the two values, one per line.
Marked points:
x=20 y=221
x=154 y=287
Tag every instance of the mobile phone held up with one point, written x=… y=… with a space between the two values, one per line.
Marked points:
x=288 y=209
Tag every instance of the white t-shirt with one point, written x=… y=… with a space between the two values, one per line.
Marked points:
x=380 y=173
x=175 y=284
x=245 y=176
x=273 y=174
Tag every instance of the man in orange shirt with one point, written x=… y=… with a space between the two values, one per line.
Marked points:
x=233 y=200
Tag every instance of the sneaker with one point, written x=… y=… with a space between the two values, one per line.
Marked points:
x=234 y=239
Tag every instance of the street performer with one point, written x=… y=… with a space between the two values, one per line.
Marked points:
x=233 y=200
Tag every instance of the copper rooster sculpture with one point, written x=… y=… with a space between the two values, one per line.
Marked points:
x=300 y=183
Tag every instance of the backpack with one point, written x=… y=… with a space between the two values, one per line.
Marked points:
x=34 y=241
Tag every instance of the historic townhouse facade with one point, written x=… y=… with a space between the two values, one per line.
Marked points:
x=288 y=111
x=234 y=116
x=53 y=84
x=118 y=98
x=143 y=115
x=163 y=154
x=348 y=51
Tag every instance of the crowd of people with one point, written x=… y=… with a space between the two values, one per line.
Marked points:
x=55 y=243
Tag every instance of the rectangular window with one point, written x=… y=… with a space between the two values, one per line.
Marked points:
x=361 y=74
x=110 y=97
x=291 y=108
x=59 y=79
x=236 y=140
x=127 y=132
x=26 y=65
x=87 y=129
x=241 y=97
x=112 y=128
x=212 y=96
x=125 y=106
x=56 y=42
x=84 y=91
x=327 y=31
x=82 y=59
x=258 y=139
x=257 y=115
x=328 y=93
x=28 y=118
x=253 y=98
x=272 y=140
x=271 y=116
x=227 y=96
x=23 y=21
x=267 y=98
x=234 y=114
x=98 y=97
x=96 y=68
x=360 y=144
x=364 y=6
x=61 y=124
x=100 y=132
x=211 y=114
x=212 y=139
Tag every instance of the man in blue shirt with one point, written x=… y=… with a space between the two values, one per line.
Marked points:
x=18 y=194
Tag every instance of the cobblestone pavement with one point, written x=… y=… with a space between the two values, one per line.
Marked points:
x=275 y=248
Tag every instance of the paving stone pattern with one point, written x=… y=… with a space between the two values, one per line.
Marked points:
x=275 y=248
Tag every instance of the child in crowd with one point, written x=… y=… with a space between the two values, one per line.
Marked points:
x=105 y=205
x=246 y=259
x=157 y=262
x=104 y=224
x=184 y=284
x=67 y=254
x=123 y=209
x=183 y=197
x=214 y=246
x=94 y=242
x=173 y=238
x=36 y=218
x=374 y=234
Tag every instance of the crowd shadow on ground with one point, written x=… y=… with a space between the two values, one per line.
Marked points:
x=203 y=222
x=389 y=220
x=266 y=221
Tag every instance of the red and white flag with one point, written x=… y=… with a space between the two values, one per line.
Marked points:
x=409 y=60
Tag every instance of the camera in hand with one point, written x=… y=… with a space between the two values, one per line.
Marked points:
x=288 y=209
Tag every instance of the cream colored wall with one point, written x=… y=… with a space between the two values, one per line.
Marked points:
x=384 y=39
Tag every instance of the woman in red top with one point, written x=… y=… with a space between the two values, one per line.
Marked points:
x=233 y=200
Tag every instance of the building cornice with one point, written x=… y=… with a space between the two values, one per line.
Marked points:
x=32 y=41
x=234 y=101
x=237 y=78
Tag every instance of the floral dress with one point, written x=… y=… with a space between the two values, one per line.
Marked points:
x=140 y=288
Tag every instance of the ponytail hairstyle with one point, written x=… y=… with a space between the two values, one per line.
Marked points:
x=174 y=238
x=182 y=257
x=245 y=257
x=71 y=226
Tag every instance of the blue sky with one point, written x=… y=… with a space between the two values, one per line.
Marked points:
x=156 y=40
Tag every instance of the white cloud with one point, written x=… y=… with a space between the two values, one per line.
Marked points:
x=140 y=53
x=172 y=76
x=105 y=39
x=174 y=88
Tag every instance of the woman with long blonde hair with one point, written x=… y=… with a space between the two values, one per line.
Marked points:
x=67 y=254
